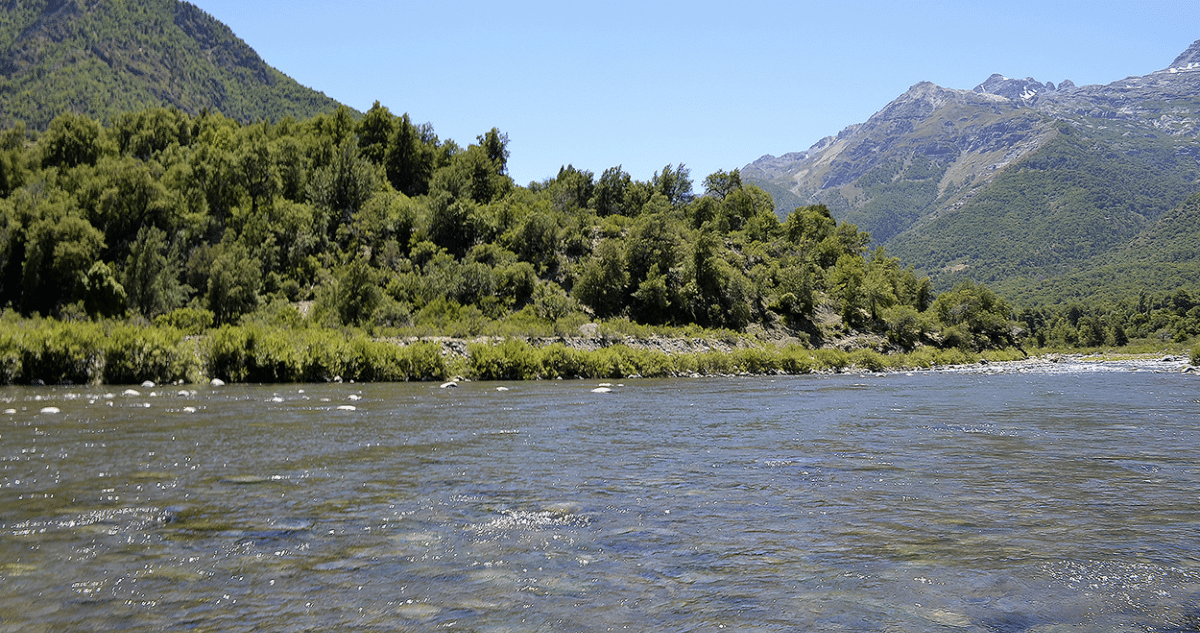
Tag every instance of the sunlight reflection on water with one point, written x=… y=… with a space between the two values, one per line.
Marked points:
x=1015 y=500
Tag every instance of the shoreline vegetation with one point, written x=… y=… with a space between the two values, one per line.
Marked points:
x=46 y=351
x=164 y=247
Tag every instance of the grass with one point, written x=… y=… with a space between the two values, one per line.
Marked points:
x=56 y=352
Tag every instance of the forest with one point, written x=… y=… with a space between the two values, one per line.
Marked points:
x=179 y=226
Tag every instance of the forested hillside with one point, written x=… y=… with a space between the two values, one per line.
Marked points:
x=103 y=58
x=1053 y=211
x=1023 y=185
x=376 y=222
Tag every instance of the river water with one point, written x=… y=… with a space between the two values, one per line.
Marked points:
x=1021 y=498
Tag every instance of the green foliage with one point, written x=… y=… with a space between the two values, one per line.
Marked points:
x=1070 y=206
x=974 y=317
x=190 y=321
x=107 y=59
x=51 y=352
x=271 y=232
x=133 y=355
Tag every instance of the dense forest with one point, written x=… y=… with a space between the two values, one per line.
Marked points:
x=107 y=58
x=374 y=223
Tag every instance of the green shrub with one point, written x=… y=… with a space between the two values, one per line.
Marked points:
x=511 y=360
x=652 y=363
x=135 y=354
x=607 y=362
x=797 y=360
x=63 y=353
x=714 y=363
x=227 y=353
x=834 y=359
x=427 y=362
x=188 y=320
x=867 y=359
x=757 y=360
x=560 y=361
x=953 y=356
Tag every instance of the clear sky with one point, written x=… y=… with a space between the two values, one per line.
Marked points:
x=713 y=85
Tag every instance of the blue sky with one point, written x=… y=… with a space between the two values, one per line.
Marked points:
x=713 y=85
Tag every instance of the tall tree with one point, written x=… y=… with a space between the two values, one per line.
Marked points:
x=408 y=160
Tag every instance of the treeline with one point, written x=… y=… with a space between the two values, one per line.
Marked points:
x=1172 y=317
x=374 y=222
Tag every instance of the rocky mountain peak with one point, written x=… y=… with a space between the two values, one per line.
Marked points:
x=1190 y=56
x=1018 y=89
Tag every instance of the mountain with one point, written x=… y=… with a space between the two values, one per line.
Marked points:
x=1017 y=183
x=103 y=57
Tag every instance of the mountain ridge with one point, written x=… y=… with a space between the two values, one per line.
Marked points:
x=925 y=173
x=103 y=58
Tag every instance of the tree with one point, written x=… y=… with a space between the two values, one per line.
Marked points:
x=233 y=283
x=150 y=277
x=351 y=295
x=983 y=314
x=572 y=189
x=344 y=186
x=146 y=133
x=100 y=292
x=408 y=160
x=609 y=193
x=721 y=183
x=654 y=240
x=257 y=168
x=495 y=146
x=674 y=183
x=537 y=240
x=846 y=286
x=375 y=133
x=653 y=298
x=450 y=223
x=809 y=225
x=72 y=140
x=603 y=282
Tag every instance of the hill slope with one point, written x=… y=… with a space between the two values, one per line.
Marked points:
x=1014 y=183
x=101 y=57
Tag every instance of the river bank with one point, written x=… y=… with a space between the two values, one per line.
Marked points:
x=52 y=352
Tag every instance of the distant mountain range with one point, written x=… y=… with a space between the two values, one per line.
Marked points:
x=102 y=57
x=1047 y=192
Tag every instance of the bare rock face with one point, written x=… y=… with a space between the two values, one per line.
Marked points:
x=1188 y=57
x=1023 y=89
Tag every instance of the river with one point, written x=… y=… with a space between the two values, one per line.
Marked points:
x=1013 y=498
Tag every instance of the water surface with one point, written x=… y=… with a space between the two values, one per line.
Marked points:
x=1021 y=500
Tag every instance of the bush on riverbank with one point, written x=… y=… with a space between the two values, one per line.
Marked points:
x=57 y=352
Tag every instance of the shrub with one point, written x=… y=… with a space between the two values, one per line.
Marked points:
x=190 y=321
x=511 y=360
x=63 y=353
x=427 y=362
x=835 y=359
x=797 y=360
x=867 y=359
x=136 y=354
x=560 y=361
